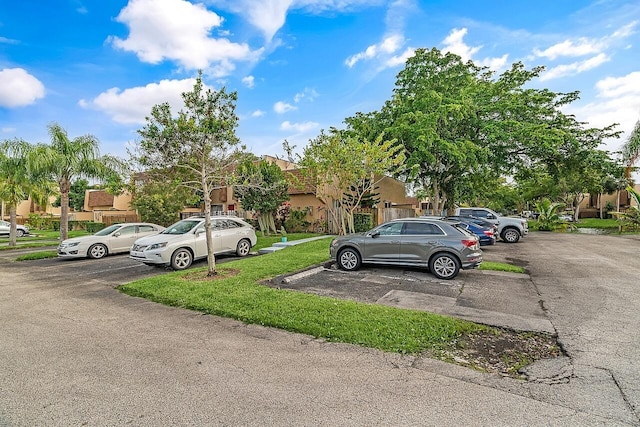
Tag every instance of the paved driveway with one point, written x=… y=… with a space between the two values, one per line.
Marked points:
x=74 y=351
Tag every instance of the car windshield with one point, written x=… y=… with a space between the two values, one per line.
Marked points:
x=182 y=227
x=108 y=230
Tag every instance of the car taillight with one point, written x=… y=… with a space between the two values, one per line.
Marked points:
x=469 y=243
x=488 y=233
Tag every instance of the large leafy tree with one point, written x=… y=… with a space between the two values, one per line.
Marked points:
x=17 y=182
x=65 y=160
x=464 y=128
x=431 y=114
x=262 y=188
x=344 y=167
x=197 y=147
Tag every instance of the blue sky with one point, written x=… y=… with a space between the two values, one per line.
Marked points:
x=299 y=66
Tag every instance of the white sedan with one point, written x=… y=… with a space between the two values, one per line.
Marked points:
x=114 y=239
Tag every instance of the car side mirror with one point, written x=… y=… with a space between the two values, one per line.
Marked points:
x=374 y=234
x=116 y=234
x=490 y=216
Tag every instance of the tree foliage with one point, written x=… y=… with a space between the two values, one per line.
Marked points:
x=65 y=159
x=18 y=182
x=160 y=202
x=344 y=167
x=262 y=187
x=198 y=147
x=464 y=128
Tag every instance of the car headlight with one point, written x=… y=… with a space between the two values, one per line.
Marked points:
x=157 y=246
x=334 y=242
x=70 y=245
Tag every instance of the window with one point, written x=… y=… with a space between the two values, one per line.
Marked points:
x=391 y=229
x=421 y=228
x=145 y=229
x=125 y=231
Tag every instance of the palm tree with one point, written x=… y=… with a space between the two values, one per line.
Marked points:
x=67 y=159
x=16 y=182
x=631 y=150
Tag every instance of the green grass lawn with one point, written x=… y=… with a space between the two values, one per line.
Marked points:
x=238 y=294
x=604 y=224
x=37 y=255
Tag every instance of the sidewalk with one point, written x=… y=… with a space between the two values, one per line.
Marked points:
x=281 y=245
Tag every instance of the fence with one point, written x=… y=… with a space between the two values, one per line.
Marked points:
x=389 y=214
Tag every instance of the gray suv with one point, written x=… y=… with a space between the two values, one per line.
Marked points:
x=442 y=247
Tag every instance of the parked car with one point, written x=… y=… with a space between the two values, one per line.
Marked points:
x=185 y=241
x=510 y=229
x=442 y=247
x=21 y=230
x=114 y=239
x=487 y=233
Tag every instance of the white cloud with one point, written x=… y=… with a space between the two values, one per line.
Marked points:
x=308 y=93
x=400 y=59
x=298 y=127
x=388 y=46
x=178 y=30
x=131 y=106
x=574 y=68
x=249 y=82
x=282 y=107
x=618 y=101
x=582 y=47
x=258 y=113
x=454 y=43
x=18 y=88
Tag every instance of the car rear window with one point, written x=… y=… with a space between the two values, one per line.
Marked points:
x=413 y=228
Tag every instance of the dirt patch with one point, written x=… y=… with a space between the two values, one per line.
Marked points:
x=500 y=351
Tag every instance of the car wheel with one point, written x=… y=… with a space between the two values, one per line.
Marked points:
x=349 y=259
x=510 y=235
x=181 y=259
x=243 y=248
x=19 y=233
x=97 y=251
x=444 y=266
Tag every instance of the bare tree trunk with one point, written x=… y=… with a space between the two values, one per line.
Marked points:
x=12 y=226
x=211 y=259
x=65 y=187
x=436 y=199
x=600 y=205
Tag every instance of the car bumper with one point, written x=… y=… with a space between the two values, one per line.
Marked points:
x=472 y=260
x=149 y=257
x=72 y=252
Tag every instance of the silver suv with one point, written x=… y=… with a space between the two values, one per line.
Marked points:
x=443 y=247
x=185 y=241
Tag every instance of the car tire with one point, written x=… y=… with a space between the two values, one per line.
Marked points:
x=349 y=259
x=97 y=251
x=19 y=233
x=181 y=259
x=444 y=266
x=243 y=248
x=510 y=235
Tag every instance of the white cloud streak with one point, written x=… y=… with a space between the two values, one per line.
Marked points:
x=281 y=107
x=298 y=127
x=574 y=68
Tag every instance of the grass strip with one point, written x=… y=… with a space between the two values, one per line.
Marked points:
x=500 y=266
x=37 y=255
x=237 y=294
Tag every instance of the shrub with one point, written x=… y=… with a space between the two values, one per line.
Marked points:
x=362 y=222
x=93 y=227
x=297 y=221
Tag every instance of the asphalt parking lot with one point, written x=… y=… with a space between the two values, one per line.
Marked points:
x=75 y=351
